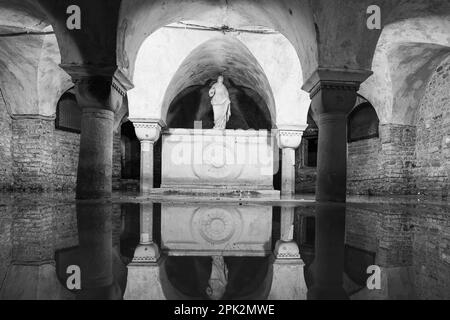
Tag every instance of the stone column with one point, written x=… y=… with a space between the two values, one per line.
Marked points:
x=100 y=93
x=148 y=132
x=93 y=92
x=289 y=139
x=333 y=93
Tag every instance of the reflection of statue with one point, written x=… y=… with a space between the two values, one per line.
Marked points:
x=221 y=104
x=218 y=280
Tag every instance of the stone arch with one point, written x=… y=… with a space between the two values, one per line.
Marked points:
x=237 y=64
x=31 y=79
x=407 y=53
x=363 y=121
x=164 y=51
x=139 y=18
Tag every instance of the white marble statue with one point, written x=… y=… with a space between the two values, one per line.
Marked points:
x=221 y=104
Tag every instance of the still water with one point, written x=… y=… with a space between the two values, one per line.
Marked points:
x=219 y=249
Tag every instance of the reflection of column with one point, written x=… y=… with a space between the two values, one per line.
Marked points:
x=328 y=265
x=288 y=281
x=147 y=251
x=333 y=94
x=148 y=132
x=96 y=264
x=289 y=139
x=143 y=282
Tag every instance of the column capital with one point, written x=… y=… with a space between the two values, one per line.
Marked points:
x=290 y=136
x=92 y=84
x=286 y=250
x=334 y=90
x=148 y=130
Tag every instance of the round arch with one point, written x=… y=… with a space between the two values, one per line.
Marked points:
x=235 y=62
x=140 y=18
x=163 y=53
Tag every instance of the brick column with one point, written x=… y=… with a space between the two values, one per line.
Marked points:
x=289 y=139
x=148 y=132
x=333 y=94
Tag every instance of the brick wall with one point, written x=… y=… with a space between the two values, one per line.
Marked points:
x=32 y=148
x=305 y=178
x=6 y=176
x=433 y=135
x=383 y=165
x=66 y=146
x=117 y=161
x=34 y=156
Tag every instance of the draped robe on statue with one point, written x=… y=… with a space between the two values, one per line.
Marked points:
x=221 y=104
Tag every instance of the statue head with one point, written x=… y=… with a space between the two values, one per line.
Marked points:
x=220 y=79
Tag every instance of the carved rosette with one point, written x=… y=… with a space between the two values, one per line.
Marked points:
x=147 y=129
x=290 y=137
x=216 y=226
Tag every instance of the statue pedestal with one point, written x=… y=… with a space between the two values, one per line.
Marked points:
x=219 y=162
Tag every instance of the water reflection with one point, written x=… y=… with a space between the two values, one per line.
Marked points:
x=185 y=250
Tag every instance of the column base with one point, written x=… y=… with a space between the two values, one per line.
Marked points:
x=144 y=281
x=288 y=280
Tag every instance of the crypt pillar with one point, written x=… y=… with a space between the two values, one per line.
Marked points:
x=289 y=139
x=93 y=92
x=148 y=132
x=333 y=94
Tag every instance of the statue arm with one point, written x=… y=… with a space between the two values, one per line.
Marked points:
x=212 y=91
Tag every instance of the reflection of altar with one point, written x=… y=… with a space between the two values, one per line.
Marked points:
x=189 y=230
x=216 y=161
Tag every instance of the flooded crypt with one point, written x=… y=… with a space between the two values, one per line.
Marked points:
x=224 y=150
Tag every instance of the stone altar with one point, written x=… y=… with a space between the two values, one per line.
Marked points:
x=216 y=161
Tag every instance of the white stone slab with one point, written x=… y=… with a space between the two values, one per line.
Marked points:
x=218 y=159
x=192 y=230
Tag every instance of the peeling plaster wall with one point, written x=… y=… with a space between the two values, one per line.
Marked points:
x=433 y=135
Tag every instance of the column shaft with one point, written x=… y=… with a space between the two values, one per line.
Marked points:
x=94 y=177
x=146 y=183
x=332 y=158
x=146 y=223
x=288 y=172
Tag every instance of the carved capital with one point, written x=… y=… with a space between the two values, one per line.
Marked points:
x=148 y=129
x=92 y=85
x=286 y=250
x=334 y=90
x=290 y=136
x=146 y=253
